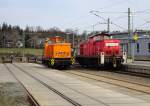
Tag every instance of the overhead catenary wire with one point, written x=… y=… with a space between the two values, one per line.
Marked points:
x=107 y=6
x=99 y=23
x=118 y=18
x=106 y=20
x=133 y=13
x=142 y=25
x=113 y=4
x=138 y=12
x=146 y=11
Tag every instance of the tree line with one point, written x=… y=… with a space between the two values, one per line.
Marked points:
x=11 y=34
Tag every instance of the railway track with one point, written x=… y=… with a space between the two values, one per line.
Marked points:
x=59 y=93
x=74 y=103
x=132 y=73
x=114 y=81
x=32 y=100
x=66 y=88
x=120 y=71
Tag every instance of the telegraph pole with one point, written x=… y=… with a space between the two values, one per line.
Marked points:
x=129 y=32
x=23 y=42
x=129 y=22
x=23 y=56
x=108 y=25
x=73 y=40
x=67 y=38
x=93 y=28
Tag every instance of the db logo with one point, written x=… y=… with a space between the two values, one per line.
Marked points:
x=60 y=52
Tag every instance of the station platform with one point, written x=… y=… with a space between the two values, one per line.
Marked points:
x=138 y=66
x=140 y=63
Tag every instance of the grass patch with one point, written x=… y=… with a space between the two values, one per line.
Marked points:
x=27 y=51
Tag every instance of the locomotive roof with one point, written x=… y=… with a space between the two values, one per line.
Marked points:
x=100 y=34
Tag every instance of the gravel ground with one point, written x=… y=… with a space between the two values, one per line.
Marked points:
x=12 y=94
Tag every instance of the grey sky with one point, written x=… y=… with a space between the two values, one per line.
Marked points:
x=73 y=13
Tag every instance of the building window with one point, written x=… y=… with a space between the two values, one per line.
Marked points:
x=137 y=48
x=149 y=47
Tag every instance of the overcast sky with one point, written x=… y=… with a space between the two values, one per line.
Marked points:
x=74 y=13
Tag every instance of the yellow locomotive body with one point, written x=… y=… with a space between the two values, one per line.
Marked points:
x=57 y=53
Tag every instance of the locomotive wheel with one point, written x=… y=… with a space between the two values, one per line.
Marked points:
x=48 y=64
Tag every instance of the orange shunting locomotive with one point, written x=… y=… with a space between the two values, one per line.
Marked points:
x=57 y=53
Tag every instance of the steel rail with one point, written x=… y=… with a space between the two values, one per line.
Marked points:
x=50 y=88
x=94 y=77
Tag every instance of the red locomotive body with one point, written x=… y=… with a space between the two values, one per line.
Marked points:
x=100 y=50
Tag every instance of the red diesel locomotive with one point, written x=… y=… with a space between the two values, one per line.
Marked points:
x=100 y=50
